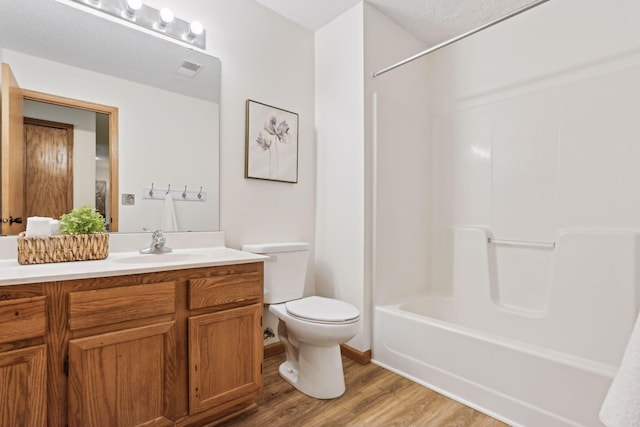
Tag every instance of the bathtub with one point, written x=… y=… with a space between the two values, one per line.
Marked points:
x=549 y=364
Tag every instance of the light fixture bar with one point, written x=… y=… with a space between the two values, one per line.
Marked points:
x=151 y=19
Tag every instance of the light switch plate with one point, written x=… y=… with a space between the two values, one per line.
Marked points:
x=128 y=199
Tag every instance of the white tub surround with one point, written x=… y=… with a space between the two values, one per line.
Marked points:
x=518 y=383
x=530 y=346
x=190 y=250
x=506 y=220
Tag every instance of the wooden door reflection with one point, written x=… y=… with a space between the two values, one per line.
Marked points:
x=48 y=168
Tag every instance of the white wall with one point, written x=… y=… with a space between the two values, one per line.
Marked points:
x=399 y=158
x=340 y=227
x=355 y=191
x=348 y=50
x=268 y=59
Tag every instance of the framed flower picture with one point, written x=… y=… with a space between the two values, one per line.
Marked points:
x=271 y=145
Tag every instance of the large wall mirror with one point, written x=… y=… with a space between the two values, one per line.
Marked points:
x=167 y=119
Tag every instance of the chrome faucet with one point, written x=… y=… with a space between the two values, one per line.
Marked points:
x=157 y=244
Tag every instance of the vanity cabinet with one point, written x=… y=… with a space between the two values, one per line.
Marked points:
x=226 y=313
x=125 y=377
x=171 y=348
x=23 y=390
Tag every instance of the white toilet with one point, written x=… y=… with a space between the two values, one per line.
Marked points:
x=311 y=329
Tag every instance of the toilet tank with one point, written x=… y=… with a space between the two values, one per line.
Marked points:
x=285 y=270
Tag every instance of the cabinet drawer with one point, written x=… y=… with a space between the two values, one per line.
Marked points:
x=22 y=319
x=220 y=290
x=93 y=308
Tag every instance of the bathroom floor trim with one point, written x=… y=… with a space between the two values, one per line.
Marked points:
x=273 y=349
x=361 y=357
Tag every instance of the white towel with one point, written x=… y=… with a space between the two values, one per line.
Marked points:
x=54 y=226
x=621 y=407
x=169 y=221
x=38 y=226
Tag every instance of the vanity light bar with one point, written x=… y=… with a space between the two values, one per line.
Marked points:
x=161 y=21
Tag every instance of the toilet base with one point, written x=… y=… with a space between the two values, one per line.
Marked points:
x=319 y=372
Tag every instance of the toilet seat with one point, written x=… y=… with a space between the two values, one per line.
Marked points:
x=322 y=310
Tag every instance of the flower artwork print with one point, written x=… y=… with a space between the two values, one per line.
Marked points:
x=271 y=150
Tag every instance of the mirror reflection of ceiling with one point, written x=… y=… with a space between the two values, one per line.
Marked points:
x=432 y=21
x=63 y=33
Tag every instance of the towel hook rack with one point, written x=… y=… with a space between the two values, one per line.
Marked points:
x=186 y=195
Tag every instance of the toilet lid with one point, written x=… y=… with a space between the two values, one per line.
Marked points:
x=320 y=309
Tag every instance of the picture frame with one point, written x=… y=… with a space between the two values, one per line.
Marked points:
x=271 y=143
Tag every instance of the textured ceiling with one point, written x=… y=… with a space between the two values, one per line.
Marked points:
x=432 y=21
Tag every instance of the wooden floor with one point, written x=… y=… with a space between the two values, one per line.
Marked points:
x=374 y=397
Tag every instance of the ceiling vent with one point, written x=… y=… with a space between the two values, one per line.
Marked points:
x=189 y=69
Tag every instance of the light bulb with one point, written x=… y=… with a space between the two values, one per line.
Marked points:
x=132 y=7
x=196 y=28
x=134 y=4
x=166 y=15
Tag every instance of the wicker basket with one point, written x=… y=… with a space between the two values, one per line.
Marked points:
x=70 y=247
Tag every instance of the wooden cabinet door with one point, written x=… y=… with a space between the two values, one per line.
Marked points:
x=23 y=387
x=123 y=378
x=225 y=356
x=11 y=153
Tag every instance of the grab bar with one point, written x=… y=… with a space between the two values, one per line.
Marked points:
x=547 y=245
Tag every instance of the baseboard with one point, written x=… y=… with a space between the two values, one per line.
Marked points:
x=273 y=349
x=361 y=357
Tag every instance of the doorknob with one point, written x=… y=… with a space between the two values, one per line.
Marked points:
x=11 y=220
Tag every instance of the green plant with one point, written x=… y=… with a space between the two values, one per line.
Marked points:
x=82 y=220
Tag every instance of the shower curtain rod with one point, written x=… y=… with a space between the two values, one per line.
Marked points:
x=460 y=37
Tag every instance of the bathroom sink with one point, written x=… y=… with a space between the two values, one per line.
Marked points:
x=159 y=258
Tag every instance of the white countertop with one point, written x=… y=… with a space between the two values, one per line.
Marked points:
x=124 y=263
